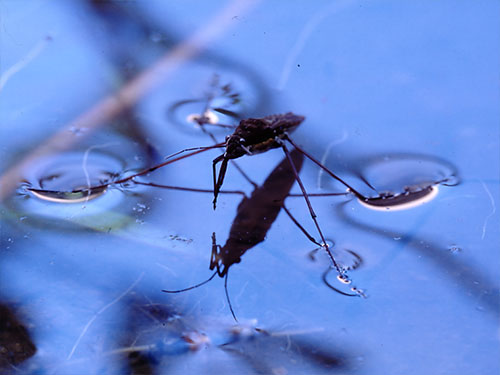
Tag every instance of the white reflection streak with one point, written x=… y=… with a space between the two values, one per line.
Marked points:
x=304 y=36
x=242 y=291
x=321 y=172
x=493 y=208
x=30 y=56
x=166 y=268
x=84 y=164
x=85 y=329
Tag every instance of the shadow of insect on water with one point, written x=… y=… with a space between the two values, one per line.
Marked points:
x=255 y=216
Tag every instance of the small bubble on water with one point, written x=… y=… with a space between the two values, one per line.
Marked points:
x=77 y=131
x=330 y=243
x=139 y=207
x=344 y=279
x=22 y=218
x=156 y=37
x=397 y=238
x=359 y=292
x=208 y=117
x=454 y=249
x=23 y=189
x=279 y=370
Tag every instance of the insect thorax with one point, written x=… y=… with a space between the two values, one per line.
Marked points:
x=259 y=135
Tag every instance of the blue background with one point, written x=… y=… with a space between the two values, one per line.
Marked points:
x=373 y=78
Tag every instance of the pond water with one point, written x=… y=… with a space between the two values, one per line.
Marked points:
x=400 y=101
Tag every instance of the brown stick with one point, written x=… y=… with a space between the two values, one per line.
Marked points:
x=111 y=106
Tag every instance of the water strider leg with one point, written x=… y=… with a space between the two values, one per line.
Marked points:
x=222 y=174
x=194 y=190
x=311 y=211
x=239 y=192
x=303 y=230
x=325 y=281
x=105 y=185
x=196 y=150
x=354 y=191
x=214 y=170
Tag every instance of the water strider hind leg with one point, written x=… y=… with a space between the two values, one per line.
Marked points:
x=220 y=179
x=340 y=272
x=302 y=229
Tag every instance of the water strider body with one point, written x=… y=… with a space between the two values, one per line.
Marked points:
x=254 y=136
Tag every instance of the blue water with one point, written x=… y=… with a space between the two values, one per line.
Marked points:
x=397 y=92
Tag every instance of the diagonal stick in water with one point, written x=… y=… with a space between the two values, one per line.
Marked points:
x=114 y=104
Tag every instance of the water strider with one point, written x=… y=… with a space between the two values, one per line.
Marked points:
x=253 y=136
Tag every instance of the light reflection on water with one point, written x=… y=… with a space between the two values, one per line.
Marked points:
x=91 y=296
